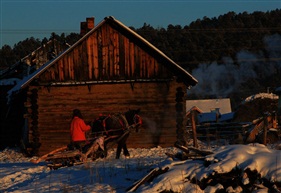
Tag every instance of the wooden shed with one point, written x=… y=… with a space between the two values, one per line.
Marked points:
x=12 y=121
x=110 y=69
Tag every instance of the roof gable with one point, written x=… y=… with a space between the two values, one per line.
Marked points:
x=208 y=105
x=110 y=50
x=177 y=70
x=194 y=108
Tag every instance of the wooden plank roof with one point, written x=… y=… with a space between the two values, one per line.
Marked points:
x=177 y=70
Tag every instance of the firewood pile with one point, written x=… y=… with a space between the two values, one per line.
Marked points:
x=253 y=109
x=236 y=180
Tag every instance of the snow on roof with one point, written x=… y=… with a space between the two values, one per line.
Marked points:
x=176 y=66
x=26 y=80
x=9 y=81
x=207 y=105
x=23 y=61
x=194 y=108
x=262 y=96
x=29 y=78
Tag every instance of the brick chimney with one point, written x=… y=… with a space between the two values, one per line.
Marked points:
x=86 y=26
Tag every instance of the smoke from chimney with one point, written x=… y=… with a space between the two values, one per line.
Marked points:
x=222 y=79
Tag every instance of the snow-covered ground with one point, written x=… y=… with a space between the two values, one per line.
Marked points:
x=18 y=174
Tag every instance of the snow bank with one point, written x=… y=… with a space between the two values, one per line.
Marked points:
x=17 y=174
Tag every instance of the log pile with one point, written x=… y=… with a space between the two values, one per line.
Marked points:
x=148 y=178
x=237 y=180
x=188 y=153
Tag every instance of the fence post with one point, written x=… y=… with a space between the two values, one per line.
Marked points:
x=265 y=125
x=193 y=124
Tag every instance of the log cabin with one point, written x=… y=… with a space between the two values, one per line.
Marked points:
x=11 y=116
x=110 y=69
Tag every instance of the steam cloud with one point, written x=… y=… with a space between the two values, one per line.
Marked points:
x=221 y=79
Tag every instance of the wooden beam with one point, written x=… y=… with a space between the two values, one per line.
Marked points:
x=95 y=56
x=193 y=124
x=89 y=43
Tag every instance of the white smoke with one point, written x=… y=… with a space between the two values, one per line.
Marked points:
x=222 y=79
x=273 y=46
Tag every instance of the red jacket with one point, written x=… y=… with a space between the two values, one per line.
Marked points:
x=78 y=128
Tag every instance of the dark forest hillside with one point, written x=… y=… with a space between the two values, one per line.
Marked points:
x=207 y=40
x=229 y=54
x=233 y=55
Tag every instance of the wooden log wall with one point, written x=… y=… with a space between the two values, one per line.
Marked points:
x=105 y=55
x=181 y=130
x=32 y=114
x=11 y=118
x=156 y=100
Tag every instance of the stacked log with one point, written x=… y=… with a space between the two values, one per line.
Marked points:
x=181 y=131
x=34 y=131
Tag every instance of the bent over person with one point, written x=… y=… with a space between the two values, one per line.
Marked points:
x=77 y=129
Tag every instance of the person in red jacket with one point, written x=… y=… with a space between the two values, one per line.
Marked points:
x=77 y=129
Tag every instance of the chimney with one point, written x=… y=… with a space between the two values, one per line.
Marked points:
x=87 y=25
x=83 y=28
x=90 y=23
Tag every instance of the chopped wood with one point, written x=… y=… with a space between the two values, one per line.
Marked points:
x=201 y=152
x=64 y=154
x=173 y=156
x=195 y=154
x=55 y=166
x=99 y=142
x=181 y=147
x=43 y=158
x=180 y=156
x=148 y=178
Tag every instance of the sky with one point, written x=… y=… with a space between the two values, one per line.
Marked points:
x=21 y=19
